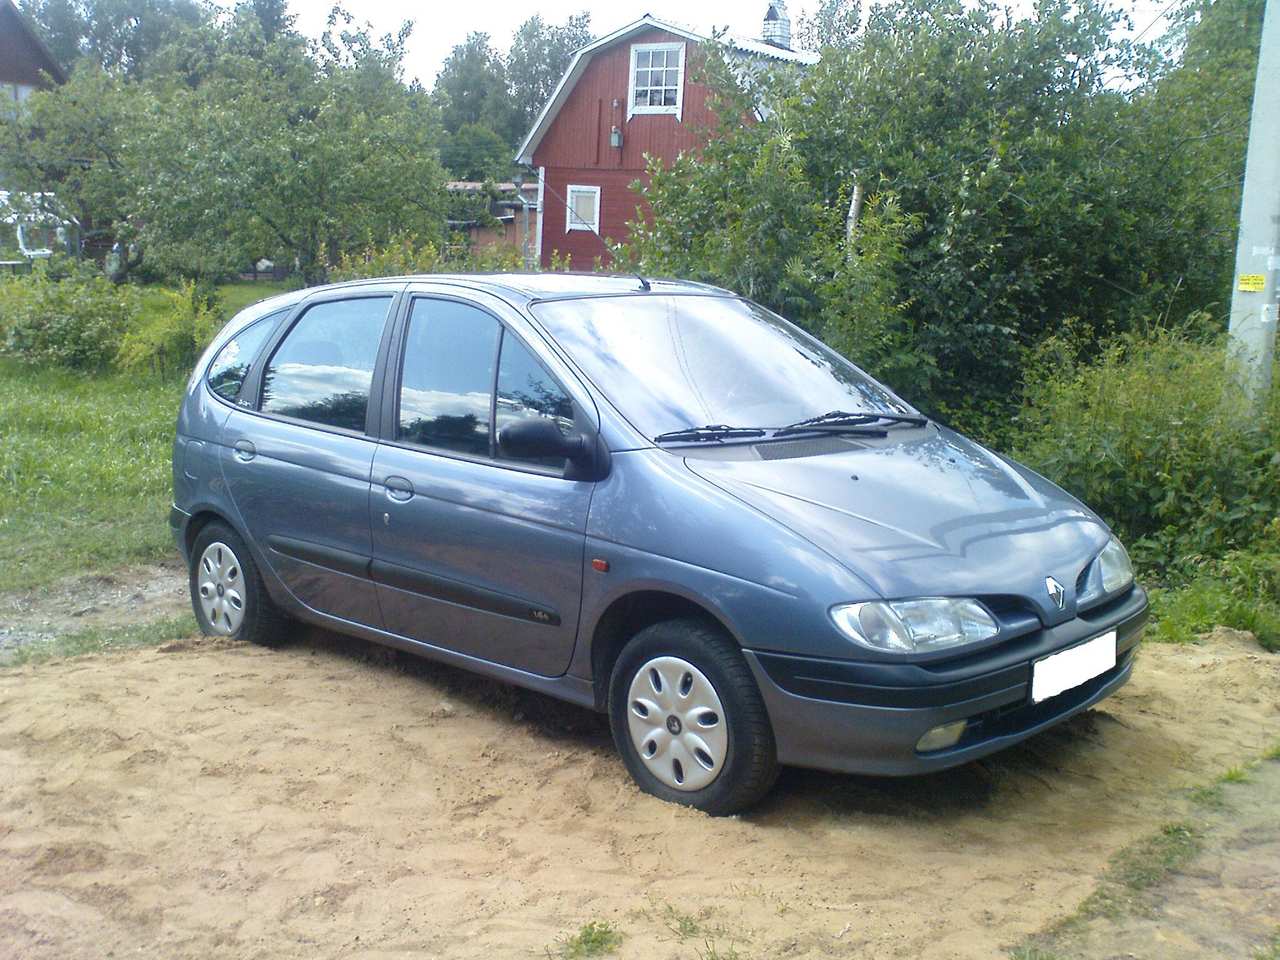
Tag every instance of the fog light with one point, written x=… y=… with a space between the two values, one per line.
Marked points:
x=941 y=737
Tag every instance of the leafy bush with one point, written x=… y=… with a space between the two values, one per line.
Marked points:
x=1241 y=590
x=74 y=323
x=406 y=254
x=1154 y=433
x=173 y=335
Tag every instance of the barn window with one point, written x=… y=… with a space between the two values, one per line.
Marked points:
x=657 y=78
x=584 y=209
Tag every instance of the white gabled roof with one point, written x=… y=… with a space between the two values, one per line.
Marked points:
x=582 y=56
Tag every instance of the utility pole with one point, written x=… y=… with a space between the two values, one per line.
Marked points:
x=1255 y=298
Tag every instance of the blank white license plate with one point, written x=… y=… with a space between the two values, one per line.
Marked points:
x=1070 y=668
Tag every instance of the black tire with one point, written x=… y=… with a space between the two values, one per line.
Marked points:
x=750 y=766
x=261 y=620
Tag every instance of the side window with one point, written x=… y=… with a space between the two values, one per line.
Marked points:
x=526 y=389
x=323 y=368
x=447 y=384
x=231 y=365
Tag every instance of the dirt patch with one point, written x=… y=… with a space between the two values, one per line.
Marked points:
x=1224 y=903
x=227 y=801
x=127 y=596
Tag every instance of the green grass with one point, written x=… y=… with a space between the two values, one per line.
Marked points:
x=84 y=471
x=238 y=294
x=1211 y=796
x=1271 y=950
x=103 y=639
x=595 y=939
x=1149 y=861
x=1182 y=615
x=85 y=475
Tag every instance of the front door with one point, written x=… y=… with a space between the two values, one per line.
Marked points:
x=297 y=466
x=472 y=551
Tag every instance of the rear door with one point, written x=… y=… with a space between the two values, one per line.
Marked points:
x=471 y=551
x=297 y=462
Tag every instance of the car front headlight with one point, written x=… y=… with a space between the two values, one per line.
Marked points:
x=1114 y=566
x=915 y=626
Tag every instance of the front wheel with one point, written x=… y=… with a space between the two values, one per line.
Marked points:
x=688 y=719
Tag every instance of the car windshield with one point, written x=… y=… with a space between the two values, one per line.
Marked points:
x=670 y=363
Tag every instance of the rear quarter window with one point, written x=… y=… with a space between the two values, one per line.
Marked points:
x=230 y=367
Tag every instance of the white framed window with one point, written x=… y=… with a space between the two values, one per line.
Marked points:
x=583 y=211
x=657 y=79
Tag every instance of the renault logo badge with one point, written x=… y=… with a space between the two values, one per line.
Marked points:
x=1057 y=593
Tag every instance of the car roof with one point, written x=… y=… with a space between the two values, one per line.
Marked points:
x=524 y=288
x=548 y=286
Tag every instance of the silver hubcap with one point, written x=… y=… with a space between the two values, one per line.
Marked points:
x=677 y=724
x=221 y=585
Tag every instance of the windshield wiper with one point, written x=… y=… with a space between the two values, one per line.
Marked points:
x=839 y=419
x=712 y=431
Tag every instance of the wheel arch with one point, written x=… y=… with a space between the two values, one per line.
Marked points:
x=198 y=521
x=630 y=613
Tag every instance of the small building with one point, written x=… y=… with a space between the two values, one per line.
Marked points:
x=25 y=62
x=511 y=214
x=625 y=96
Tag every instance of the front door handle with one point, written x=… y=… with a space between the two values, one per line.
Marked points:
x=245 y=450
x=398 y=488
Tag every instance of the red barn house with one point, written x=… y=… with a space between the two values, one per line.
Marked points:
x=624 y=96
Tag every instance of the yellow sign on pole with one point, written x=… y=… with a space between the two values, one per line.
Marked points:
x=1252 y=282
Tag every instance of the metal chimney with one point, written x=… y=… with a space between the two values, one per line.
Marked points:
x=777 y=25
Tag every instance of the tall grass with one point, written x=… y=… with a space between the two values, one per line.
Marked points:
x=84 y=471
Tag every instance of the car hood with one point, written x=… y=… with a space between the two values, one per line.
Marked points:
x=930 y=514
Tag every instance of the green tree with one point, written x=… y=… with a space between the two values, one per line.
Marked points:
x=239 y=142
x=472 y=89
x=1022 y=178
x=538 y=58
x=833 y=24
x=118 y=35
x=266 y=165
x=476 y=153
x=71 y=140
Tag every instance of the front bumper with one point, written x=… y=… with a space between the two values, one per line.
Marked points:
x=867 y=718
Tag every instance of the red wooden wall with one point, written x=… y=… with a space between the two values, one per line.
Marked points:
x=575 y=150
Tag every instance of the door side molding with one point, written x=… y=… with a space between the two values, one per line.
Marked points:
x=322 y=555
x=461 y=594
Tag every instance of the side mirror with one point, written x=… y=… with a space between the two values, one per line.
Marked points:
x=534 y=437
x=537 y=437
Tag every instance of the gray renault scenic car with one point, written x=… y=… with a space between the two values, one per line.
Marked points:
x=656 y=499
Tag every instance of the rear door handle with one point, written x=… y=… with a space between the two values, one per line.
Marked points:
x=398 y=488
x=245 y=450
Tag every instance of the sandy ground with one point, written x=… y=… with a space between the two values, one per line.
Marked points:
x=212 y=800
x=1224 y=903
x=128 y=595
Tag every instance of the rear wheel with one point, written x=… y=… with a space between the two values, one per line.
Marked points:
x=227 y=592
x=688 y=719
